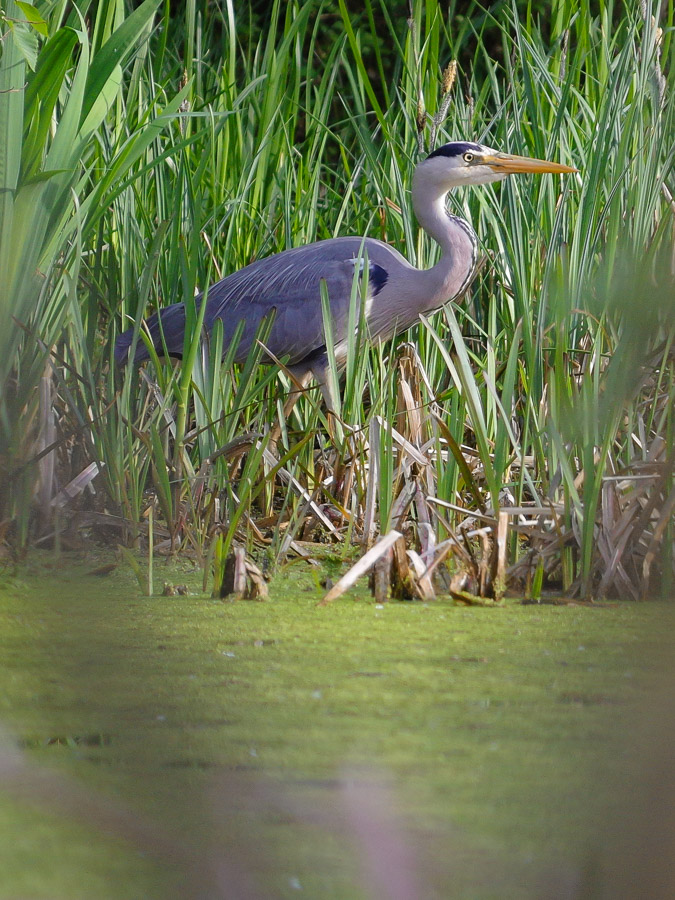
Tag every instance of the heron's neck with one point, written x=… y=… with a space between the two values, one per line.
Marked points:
x=429 y=206
x=454 y=236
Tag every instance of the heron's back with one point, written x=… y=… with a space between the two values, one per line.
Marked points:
x=286 y=287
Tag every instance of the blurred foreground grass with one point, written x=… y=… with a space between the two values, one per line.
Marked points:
x=180 y=746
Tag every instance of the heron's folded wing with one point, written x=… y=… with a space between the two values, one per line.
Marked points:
x=290 y=284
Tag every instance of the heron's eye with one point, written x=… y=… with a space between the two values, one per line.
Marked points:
x=468 y=157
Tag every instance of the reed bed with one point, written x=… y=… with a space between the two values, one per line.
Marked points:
x=521 y=439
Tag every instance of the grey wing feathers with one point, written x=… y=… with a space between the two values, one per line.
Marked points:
x=288 y=284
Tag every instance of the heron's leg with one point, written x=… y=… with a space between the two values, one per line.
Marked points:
x=320 y=372
x=326 y=390
x=302 y=377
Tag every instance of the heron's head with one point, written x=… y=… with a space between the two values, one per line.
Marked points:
x=462 y=162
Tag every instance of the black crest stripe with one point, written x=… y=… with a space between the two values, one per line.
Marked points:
x=456 y=148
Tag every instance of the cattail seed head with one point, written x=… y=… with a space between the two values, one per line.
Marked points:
x=448 y=77
x=421 y=113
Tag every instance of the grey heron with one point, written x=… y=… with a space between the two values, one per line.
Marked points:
x=288 y=284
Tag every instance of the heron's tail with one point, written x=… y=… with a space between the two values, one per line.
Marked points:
x=123 y=345
x=166 y=334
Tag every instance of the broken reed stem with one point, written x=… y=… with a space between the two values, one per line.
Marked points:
x=151 y=548
x=500 y=569
x=361 y=567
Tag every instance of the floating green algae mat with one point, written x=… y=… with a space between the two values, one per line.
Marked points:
x=186 y=747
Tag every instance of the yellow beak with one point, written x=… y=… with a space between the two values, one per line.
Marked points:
x=505 y=162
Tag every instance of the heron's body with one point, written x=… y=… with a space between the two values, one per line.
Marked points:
x=289 y=284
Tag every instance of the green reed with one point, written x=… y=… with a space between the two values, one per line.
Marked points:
x=208 y=147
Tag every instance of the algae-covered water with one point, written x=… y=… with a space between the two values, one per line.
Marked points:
x=186 y=747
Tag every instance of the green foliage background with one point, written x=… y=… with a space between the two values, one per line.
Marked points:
x=146 y=149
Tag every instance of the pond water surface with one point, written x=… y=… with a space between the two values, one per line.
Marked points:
x=187 y=747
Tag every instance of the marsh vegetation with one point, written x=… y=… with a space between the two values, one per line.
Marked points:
x=148 y=151
x=520 y=440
